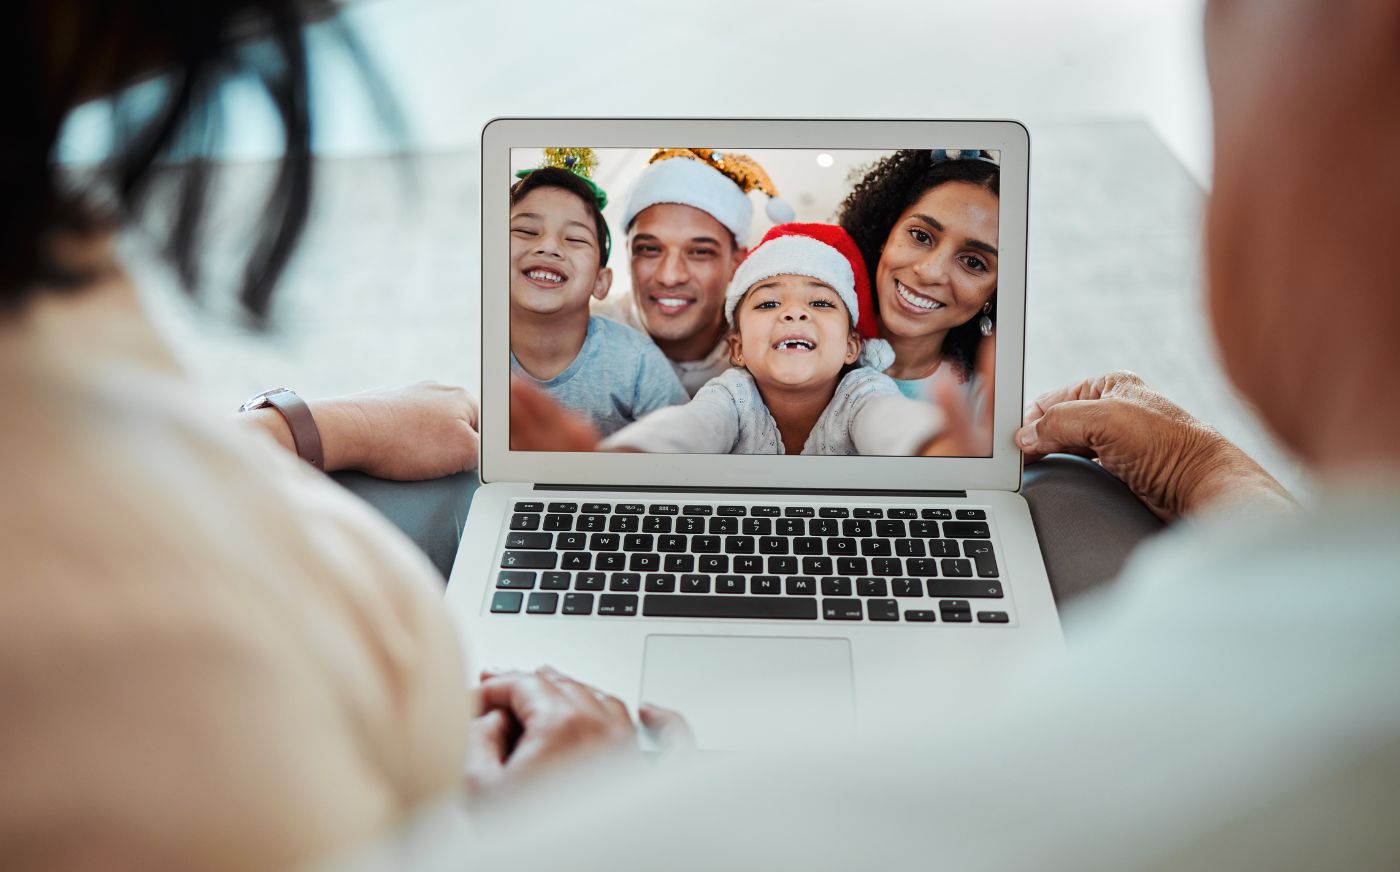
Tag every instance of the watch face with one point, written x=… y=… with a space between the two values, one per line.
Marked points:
x=258 y=401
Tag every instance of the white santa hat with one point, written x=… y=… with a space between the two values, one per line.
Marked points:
x=714 y=182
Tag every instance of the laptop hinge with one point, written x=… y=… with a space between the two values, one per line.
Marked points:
x=765 y=491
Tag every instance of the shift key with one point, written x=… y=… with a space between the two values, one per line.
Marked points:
x=529 y=560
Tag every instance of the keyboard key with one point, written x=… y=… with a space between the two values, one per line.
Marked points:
x=678 y=563
x=855 y=529
x=971 y=515
x=644 y=563
x=840 y=609
x=524 y=522
x=639 y=542
x=596 y=509
x=907 y=587
x=890 y=529
x=840 y=546
x=698 y=510
x=730 y=584
x=748 y=564
x=714 y=563
x=528 y=541
x=764 y=511
x=953 y=605
x=673 y=543
x=624 y=523
x=704 y=544
x=738 y=544
x=823 y=527
x=628 y=581
x=966 y=530
x=659 y=583
x=609 y=560
x=956 y=567
x=528 y=560
x=817 y=566
x=782 y=565
x=578 y=603
x=656 y=524
x=836 y=586
x=576 y=560
x=982 y=555
x=909 y=547
x=589 y=581
x=558 y=522
x=883 y=610
x=772 y=545
x=630 y=508
x=695 y=584
x=981 y=588
x=806 y=545
x=925 y=567
x=571 y=542
x=724 y=526
x=799 y=511
x=924 y=529
x=591 y=523
x=852 y=566
x=887 y=566
x=902 y=514
x=621 y=604
x=957 y=617
x=542 y=604
x=869 y=513
x=942 y=548
x=565 y=508
x=936 y=514
x=758 y=527
x=554 y=581
x=833 y=512
x=690 y=525
x=760 y=608
x=604 y=542
x=791 y=527
x=766 y=584
x=732 y=511
x=802 y=585
x=516 y=579
x=529 y=507
x=506 y=602
x=993 y=618
x=920 y=616
x=872 y=587
x=876 y=547
x=664 y=509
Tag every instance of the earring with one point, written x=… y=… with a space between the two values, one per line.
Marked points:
x=986 y=324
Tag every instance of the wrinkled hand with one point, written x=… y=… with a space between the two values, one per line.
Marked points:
x=1173 y=462
x=408 y=433
x=532 y=721
x=967 y=432
x=538 y=423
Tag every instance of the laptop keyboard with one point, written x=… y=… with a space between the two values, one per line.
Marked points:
x=888 y=564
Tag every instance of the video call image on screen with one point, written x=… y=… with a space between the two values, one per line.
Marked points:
x=762 y=301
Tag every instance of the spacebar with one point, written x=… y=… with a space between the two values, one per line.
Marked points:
x=779 y=608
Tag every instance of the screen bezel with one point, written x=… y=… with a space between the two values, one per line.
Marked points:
x=1001 y=471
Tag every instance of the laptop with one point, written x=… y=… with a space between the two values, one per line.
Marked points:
x=773 y=599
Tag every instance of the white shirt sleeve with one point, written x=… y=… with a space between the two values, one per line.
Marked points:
x=708 y=424
x=888 y=425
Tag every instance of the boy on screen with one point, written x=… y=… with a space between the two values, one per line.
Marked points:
x=559 y=244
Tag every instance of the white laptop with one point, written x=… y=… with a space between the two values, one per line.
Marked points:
x=772 y=599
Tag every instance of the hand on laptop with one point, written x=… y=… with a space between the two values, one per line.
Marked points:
x=532 y=721
x=1173 y=462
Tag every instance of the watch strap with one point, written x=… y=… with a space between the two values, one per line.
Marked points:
x=305 y=435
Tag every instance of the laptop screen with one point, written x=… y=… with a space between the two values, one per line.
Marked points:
x=763 y=301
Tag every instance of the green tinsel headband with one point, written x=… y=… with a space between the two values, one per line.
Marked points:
x=579 y=161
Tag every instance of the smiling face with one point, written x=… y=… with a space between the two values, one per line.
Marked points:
x=792 y=332
x=939 y=264
x=682 y=261
x=554 y=254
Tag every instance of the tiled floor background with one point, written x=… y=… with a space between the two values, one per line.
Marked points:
x=385 y=286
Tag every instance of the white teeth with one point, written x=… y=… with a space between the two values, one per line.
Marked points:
x=671 y=303
x=545 y=275
x=797 y=343
x=914 y=299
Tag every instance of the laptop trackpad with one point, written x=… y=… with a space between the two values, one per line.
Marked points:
x=745 y=692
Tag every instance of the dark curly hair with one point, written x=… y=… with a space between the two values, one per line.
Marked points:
x=893 y=184
x=554 y=177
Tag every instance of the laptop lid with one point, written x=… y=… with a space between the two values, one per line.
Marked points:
x=812 y=166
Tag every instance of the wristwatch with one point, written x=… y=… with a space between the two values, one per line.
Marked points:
x=297 y=414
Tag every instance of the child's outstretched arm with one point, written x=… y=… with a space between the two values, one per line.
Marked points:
x=708 y=424
x=538 y=423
